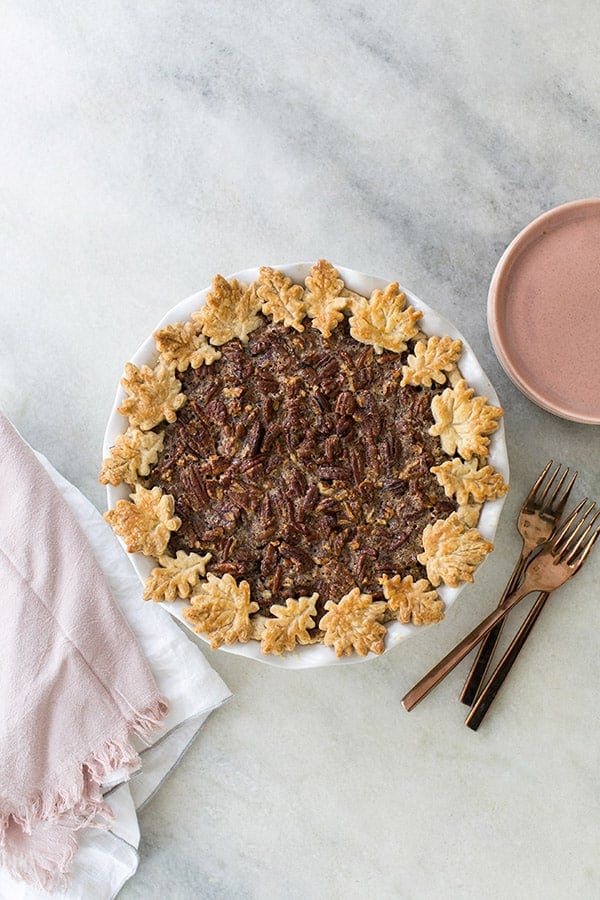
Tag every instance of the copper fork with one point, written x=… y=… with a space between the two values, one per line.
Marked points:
x=539 y=515
x=558 y=560
x=486 y=695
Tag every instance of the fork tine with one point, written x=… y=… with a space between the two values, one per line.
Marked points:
x=544 y=494
x=559 y=535
x=534 y=488
x=573 y=553
x=564 y=544
x=560 y=504
x=587 y=548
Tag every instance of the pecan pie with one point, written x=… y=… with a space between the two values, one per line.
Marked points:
x=306 y=464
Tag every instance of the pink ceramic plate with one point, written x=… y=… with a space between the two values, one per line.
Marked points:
x=544 y=311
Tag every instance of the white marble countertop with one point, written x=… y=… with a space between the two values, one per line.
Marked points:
x=146 y=146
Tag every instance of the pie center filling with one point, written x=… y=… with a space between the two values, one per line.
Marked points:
x=303 y=466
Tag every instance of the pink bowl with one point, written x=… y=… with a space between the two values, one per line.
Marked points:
x=544 y=311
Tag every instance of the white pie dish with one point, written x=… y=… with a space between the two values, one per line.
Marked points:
x=432 y=323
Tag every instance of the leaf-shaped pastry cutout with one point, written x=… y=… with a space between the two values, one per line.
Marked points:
x=326 y=297
x=145 y=522
x=176 y=576
x=231 y=311
x=412 y=600
x=463 y=480
x=133 y=453
x=290 y=625
x=184 y=345
x=281 y=299
x=154 y=395
x=221 y=609
x=354 y=624
x=469 y=514
x=431 y=361
x=463 y=421
x=452 y=551
x=385 y=321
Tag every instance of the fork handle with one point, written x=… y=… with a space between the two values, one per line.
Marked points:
x=452 y=659
x=486 y=696
x=487 y=647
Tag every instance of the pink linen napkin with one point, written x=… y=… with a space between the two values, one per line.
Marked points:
x=74 y=684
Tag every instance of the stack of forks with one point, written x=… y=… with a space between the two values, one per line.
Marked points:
x=552 y=552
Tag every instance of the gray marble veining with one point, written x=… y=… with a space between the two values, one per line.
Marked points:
x=146 y=146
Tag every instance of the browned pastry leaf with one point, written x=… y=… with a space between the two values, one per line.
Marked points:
x=452 y=551
x=326 y=297
x=231 y=311
x=354 y=624
x=290 y=625
x=184 y=345
x=282 y=300
x=411 y=600
x=384 y=321
x=154 y=395
x=463 y=421
x=145 y=522
x=133 y=453
x=176 y=576
x=221 y=609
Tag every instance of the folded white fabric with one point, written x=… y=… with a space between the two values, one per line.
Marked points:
x=105 y=859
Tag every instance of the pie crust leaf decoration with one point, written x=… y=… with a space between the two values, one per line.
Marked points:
x=176 y=576
x=281 y=299
x=463 y=480
x=354 y=623
x=184 y=345
x=326 y=297
x=410 y=600
x=385 y=321
x=133 y=453
x=463 y=421
x=146 y=521
x=430 y=362
x=290 y=625
x=154 y=395
x=469 y=514
x=452 y=551
x=231 y=311
x=221 y=609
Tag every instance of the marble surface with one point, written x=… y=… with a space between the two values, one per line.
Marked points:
x=146 y=146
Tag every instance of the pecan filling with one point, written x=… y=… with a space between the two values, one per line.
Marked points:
x=302 y=465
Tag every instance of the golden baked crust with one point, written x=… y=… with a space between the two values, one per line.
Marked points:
x=145 y=522
x=469 y=513
x=354 y=624
x=464 y=479
x=411 y=600
x=464 y=421
x=452 y=551
x=326 y=297
x=221 y=606
x=133 y=453
x=154 y=395
x=183 y=345
x=176 y=576
x=384 y=321
x=291 y=624
x=221 y=609
x=282 y=300
x=231 y=311
x=431 y=361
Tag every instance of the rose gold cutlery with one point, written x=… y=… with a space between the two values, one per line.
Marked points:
x=539 y=515
x=486 y=695
x=557 y=561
